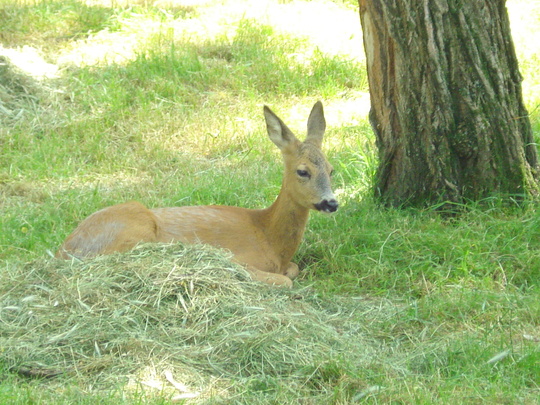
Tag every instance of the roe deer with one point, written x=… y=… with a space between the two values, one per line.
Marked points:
x=264 y=241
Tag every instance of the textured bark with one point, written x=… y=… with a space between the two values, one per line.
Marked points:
x=446 y=101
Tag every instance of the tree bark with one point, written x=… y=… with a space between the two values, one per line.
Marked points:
x=446 y=102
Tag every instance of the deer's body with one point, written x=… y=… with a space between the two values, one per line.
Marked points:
x=262 y=240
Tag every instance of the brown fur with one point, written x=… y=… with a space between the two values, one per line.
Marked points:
x=262 y=240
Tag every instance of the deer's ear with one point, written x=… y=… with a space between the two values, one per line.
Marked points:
x=316 y=125
x=278 y=131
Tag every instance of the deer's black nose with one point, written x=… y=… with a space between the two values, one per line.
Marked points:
x=327 y=205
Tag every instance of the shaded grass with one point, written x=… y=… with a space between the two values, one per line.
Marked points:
x=417 y=252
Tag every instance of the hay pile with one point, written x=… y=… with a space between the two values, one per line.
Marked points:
x=24 y=92
x=176 y=313
x=17 y=90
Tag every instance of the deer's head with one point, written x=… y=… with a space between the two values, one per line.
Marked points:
x=307 y=178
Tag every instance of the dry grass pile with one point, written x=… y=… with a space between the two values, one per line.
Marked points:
x=17 y=90
x=182 y=313
x=24 y=91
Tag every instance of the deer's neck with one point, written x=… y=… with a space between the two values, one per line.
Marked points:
x=285 y=222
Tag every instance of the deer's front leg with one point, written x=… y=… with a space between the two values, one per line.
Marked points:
x=270 y=278
x=292 y=270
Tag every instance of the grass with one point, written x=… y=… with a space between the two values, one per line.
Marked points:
x=163 y=104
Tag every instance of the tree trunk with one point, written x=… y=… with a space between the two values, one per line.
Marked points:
x=446 y=102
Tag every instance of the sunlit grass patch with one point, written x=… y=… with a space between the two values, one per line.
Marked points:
x=254 y=62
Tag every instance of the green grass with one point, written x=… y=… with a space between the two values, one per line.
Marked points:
x=55 y=21
x=164 y=105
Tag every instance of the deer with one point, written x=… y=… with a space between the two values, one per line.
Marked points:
x=262 y=240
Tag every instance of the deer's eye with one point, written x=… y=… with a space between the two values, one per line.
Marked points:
x=303 y=173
